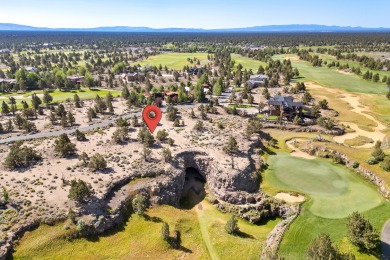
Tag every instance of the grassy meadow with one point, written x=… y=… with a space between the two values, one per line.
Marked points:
x=59 y=96
x=174 y=60
x=248 y=63
x=202 y=234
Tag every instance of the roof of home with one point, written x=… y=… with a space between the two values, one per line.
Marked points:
x=259 y=76
x=284 y=101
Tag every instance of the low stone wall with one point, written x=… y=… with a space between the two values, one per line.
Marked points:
x=274 y=238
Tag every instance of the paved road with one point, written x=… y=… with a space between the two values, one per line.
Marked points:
x=85 y=128
x=222 y=99
x=386 y=241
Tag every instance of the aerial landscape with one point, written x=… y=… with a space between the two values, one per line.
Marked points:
x=134 y=130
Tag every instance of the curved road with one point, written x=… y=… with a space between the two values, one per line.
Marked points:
x=386 y=241
x=222 y=99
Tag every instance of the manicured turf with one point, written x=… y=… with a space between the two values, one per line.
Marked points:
x=174 y=60
x=307 y=226
x=333 y=192
x=202 y=234
x=325 y=183
x=248 y=63
x=331 y=78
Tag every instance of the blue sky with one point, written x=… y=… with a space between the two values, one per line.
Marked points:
x=194 y=13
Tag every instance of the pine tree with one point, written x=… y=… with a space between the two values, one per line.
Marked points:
x=47 y=98
x=76 y=100
x=231 y=226
x=4 y=108
x=71 y=118
x=231 y=146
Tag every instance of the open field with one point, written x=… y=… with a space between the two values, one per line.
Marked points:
x=333 y=79
x=248 y=63
x=202 y=229
x=174 y=60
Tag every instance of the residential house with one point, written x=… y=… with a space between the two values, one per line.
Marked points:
x=133 y=76
x=76 y=79
x=30 y=69
x=284 y=106
x=257 y=80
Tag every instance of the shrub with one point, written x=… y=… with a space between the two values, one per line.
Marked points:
x=385 y=165
x=355 y=165
x=120 y=135
x=371 y=161
x=63 y=146
x=97 y=162
x=80 y=136
x=162 y=135
x=21 y=156
x=79 y=190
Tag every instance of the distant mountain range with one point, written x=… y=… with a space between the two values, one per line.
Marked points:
x=266 y=28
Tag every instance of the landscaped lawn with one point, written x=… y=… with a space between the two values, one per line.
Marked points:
x=174 y=60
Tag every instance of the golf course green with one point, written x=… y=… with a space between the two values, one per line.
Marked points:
x=333 y=192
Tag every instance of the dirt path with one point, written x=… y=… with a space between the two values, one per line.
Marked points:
x=357 y=107
x=296 y=152
x=199 y=209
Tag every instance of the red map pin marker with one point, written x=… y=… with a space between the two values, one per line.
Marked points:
x=151 y=115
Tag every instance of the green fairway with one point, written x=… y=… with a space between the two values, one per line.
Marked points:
x=174 y=60
x=331 y=78
x=202 y=234
x=247 y=63
x=60 y=96
x=307 y=227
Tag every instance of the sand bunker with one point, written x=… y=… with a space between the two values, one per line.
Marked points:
x=357 y=107
x=289 y=198
x=376 y=135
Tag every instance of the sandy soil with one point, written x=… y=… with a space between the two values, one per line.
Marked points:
x=344 y=72
x=289 y=198
x=43 y=185
x=357 y=107
x=43 y=123
x=376 y=135
x=296 y=152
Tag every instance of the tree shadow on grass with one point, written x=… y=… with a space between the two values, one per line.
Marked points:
x=152 y=219
x=244 y=235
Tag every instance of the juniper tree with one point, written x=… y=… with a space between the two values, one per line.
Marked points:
x=231 y=226
x=79 y=191
x=97 y=162
x=139 y=204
